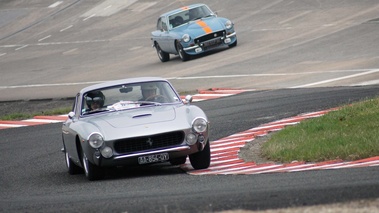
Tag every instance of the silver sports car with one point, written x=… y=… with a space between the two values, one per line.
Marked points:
x=133 y=122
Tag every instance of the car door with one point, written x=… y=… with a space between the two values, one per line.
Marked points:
x=68 y=133
x=162 y=35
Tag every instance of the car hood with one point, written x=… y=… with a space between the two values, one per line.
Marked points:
x=139 y=122
x=203 y=26
x=135 y=117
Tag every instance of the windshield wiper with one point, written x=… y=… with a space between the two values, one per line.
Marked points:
x=143 y=103
x=96 y=111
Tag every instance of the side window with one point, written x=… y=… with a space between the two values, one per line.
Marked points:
x=76 y=104
x=164 y=25
x=159 y=24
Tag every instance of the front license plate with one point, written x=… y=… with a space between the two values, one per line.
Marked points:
x=153 y=158
x=212 y=42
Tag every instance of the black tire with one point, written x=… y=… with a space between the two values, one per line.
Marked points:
x=202 y=159
x=72 y=168
x=234 y=44
x=182 y=54
x=163 y=56
x=91 y=171
x=178 y=161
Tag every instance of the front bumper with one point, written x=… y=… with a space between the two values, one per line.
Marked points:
x=131 y=159
x=211 y=44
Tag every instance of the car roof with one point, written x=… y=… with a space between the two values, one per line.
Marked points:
x=182 y=9
x=120 y=82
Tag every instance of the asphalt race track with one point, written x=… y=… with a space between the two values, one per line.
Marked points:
x=294 y=56
x=35 y=177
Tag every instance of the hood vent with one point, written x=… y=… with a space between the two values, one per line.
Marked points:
x=142 y=115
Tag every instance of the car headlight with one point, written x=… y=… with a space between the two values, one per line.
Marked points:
x=199 y=125
x=191 y=139
x=228 y=24
x=107 y=152
x=96 y=140
x=186 y=38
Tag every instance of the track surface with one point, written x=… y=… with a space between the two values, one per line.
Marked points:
x=35 y=178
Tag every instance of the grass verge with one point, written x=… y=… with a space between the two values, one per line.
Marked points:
x=350 y=133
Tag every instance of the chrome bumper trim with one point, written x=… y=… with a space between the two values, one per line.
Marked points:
x=191 y=48
x=231 y=35
x=181 y=148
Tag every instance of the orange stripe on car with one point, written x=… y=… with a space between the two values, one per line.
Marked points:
x=184 y=8
x=204 y=25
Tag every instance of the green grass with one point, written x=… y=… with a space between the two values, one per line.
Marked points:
x=23 y=116
x=350 y=133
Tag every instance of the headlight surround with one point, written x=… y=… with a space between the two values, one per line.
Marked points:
x=228 y=24
x=186 y=38
x=95 y=140
x=199 y=125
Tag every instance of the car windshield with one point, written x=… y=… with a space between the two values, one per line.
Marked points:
x=187 y=16
x=129 y=96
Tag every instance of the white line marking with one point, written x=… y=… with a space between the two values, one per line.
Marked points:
x=337 y=79
x=22 y=47
x=366 y=83
x=12 y=125
x=365 y=71
x=1 y=54
x=272 y=29
x=70 y=51
x=43 y=120
x=108 y=7
x=295 y=17
x=49 y=85
x=89 y=17
x=215 y=95
x=66 y=28
x=143 y=6
x=104 y=9
x=55 y=4
x=46 y=37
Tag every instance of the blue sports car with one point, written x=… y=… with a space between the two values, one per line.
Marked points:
x=191 y=30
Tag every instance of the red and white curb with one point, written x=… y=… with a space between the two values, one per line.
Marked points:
x=225 y=160
x=215 y=93
x=38 y=120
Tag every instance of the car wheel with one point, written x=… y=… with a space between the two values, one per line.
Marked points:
x=92 y=171
x=202 y=159
x=182 y=54
x=234 y=44
x=163 y=56
x=178 y=161
x=71 y=166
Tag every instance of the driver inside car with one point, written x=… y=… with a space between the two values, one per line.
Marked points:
x=149 y=91
x=95 y=100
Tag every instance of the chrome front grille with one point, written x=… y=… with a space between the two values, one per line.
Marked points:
x=210 y=36
x=149 y=142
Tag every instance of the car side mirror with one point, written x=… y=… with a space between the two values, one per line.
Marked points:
x=189 y=99
x=71 y=115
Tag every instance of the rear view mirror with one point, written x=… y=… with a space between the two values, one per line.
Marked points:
x=126 y=89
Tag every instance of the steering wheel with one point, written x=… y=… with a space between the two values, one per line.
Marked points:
x=157 y=98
